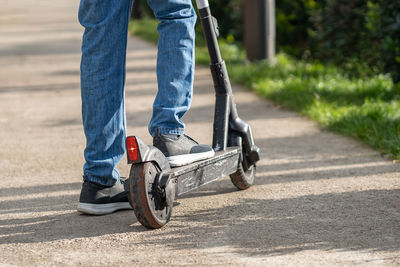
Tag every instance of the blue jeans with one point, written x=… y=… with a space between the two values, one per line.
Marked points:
x=103 y=78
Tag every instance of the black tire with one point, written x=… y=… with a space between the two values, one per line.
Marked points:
x=243 y=179
x=143 y=196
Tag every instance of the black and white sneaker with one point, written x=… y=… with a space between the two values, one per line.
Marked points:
x=181 y=149
x=96 y=199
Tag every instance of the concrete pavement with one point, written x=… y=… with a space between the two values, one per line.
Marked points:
x=319 y=199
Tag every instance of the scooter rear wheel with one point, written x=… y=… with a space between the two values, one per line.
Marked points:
x=144 y=197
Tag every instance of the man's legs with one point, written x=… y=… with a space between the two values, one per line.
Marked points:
x=102 y=82
x=103 y=111
x=103 y=75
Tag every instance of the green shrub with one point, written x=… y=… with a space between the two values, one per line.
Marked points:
x=295 y=31
x=360 y=36
x=230 y=17
x=342 y=33
x=388 y=30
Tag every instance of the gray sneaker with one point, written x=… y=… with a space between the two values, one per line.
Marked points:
x=96 y=199
x=181 y=149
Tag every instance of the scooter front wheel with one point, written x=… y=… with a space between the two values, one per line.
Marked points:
x=145 y=199
x=243 y=179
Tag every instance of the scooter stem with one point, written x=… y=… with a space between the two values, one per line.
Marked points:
x=226 y=117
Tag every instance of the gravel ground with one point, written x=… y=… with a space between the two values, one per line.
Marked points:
x=319 y=198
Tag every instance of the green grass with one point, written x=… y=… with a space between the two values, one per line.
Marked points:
x=366 y=108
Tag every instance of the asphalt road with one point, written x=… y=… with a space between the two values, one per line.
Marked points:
x=319 y=198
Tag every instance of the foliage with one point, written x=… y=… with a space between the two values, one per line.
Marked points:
x=295 y=31
x=364 y=108
x=388 y=30
x=230 y=17
x=342 y=33
x=360 y=36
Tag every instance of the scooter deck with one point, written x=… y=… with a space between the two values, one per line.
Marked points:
x=194 y=175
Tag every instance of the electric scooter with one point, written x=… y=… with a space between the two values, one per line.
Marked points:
x=153 y=185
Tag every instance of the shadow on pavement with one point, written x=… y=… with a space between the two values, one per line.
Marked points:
x=40 y=88
x=47 y=47
x=13 y=191
x=315 y=161
x=49 y=218
x=364 y=220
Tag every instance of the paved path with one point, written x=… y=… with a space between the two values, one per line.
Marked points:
x=319 y=199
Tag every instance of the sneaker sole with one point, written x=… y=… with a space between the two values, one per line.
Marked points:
x=181 y=160
x=102 y=209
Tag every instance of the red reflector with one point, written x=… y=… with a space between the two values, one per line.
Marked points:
x=132 y=148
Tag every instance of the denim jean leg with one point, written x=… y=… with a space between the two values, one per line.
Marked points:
x=102 y=86
x=175 y=65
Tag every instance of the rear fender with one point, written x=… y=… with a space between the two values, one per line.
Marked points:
x=149 y=154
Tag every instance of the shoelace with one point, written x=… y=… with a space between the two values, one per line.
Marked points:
x=190 y=138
